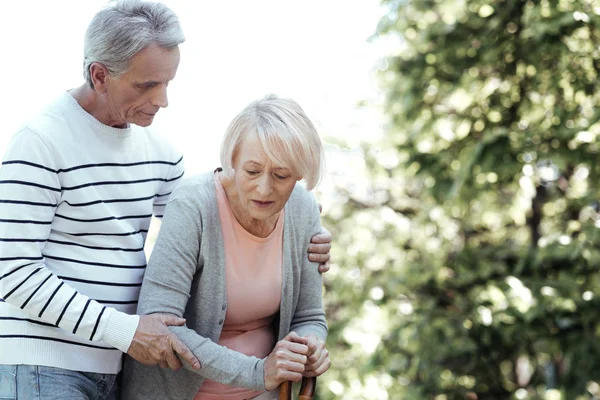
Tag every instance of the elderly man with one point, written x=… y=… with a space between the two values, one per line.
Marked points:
x=78 y=186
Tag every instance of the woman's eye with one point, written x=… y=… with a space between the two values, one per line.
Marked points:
x=280 y=177
x=252 y=172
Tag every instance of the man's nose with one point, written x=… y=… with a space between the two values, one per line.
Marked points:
x=159 y=97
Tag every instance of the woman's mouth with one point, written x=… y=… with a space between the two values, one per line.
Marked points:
x=262 y=204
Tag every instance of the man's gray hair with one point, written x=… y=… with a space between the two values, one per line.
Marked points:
x=125 y=27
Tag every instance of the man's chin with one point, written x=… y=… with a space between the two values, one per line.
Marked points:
x=143 y=122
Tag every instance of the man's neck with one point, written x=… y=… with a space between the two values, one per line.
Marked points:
x=94 y=105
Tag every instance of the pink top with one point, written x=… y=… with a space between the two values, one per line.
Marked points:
x=253 y=280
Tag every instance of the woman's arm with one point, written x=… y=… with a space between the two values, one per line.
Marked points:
x=166 y=289
x=309 y=316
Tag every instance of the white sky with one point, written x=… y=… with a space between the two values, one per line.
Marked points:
x=315 y=51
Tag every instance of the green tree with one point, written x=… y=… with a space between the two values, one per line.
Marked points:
x=469 y=265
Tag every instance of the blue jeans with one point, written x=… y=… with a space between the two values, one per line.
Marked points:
x=32 y=382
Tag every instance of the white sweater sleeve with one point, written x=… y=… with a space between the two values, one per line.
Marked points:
x=30 y=191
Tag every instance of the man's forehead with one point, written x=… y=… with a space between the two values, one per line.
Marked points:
x=154 y=63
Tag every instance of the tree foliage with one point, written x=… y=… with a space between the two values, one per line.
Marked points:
x=468 y=268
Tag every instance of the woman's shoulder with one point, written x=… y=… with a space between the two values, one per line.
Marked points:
x=302 y=201
x=195 y=188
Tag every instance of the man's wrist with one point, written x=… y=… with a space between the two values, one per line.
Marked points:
x=120 y=330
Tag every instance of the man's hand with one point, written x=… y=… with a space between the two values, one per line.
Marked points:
x=318 y=357
x=153 y=343
x=318 y=249
x=286 y=361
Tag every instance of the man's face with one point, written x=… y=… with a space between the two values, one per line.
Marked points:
x=137 y=95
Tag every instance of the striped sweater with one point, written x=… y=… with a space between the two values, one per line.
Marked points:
x=76 y=200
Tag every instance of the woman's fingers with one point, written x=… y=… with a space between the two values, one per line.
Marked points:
x=321 y=369
x=285 y=363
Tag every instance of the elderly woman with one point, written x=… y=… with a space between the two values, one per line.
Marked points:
x=231 y=259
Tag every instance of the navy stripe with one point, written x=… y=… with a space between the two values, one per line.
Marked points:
x=81 y=316
x=28 y=163
x=50 y=299
x=158 y=216
x=91 y=165
x=3 y=182
x=35 y=291
x=68 y=278
x=93 y=247
x=28 y=203
x=25 y=221
x=21 y=284
x=15 y=270
x=120 y=165
x=22 y=240
x=116 y=302
x=107 y=234
x=65 y=309
x=100 y=183
x=21 y=258
x=163 y=195
x=55 y=340
x=95 y=263
x=132 y=200
x=27 y=320
x=103 y=219
x=97 y=322
x=160 y=205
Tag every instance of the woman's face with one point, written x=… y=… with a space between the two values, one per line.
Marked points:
x=263 y=188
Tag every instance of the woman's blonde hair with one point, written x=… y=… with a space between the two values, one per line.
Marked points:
x=287 y=135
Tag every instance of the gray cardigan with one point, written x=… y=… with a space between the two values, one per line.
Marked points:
x=186 y=277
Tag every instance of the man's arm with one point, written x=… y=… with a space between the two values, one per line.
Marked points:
x=30 y=191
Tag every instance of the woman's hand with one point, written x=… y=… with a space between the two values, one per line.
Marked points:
x=286 y=361
x=318 y=357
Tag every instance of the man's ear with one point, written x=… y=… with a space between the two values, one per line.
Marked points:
x=99 y=74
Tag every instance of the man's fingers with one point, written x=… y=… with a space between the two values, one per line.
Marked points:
x=185 y=353
x=319 y=248
x=322 y=237
x=172 y=360
x=172 y=320
x=319 y=258
x=324 y=267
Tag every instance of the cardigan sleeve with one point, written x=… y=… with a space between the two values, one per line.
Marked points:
x=166 y=289
x=309 y=316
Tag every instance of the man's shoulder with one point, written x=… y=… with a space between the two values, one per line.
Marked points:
x=49 y=121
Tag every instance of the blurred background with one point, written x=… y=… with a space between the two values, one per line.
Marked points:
x=462 y=185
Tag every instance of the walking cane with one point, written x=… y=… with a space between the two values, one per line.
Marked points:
x=307 y=390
